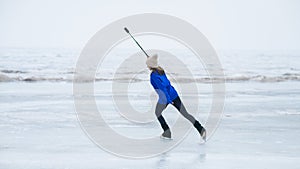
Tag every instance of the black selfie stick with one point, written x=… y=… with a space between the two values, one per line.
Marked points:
x=136 y=41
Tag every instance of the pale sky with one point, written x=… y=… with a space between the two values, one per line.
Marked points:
x=228 y=24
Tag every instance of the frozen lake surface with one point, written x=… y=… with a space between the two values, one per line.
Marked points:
x=259 y=129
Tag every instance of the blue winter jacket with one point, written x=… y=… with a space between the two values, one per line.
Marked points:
x=163 y=88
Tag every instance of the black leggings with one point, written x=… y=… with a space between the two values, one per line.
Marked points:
x=179 y=106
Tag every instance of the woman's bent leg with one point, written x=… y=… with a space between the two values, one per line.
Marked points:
x=158 y=112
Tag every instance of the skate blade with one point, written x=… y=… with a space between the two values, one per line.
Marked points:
x=165 y=138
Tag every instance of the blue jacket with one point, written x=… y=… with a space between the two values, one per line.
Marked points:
x=163 y=88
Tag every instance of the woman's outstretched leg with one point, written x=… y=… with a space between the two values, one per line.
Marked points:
x=180 y=107
x=158 y=112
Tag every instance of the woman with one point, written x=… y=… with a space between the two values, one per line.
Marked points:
x=168 y=95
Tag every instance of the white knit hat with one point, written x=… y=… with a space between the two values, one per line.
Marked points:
x=152 y=61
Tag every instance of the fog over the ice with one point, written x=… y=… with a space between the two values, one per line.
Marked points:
x=230 y=24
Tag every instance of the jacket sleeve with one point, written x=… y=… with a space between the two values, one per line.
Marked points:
x=159 y=84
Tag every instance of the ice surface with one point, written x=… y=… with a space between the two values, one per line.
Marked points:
x=260 y=129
